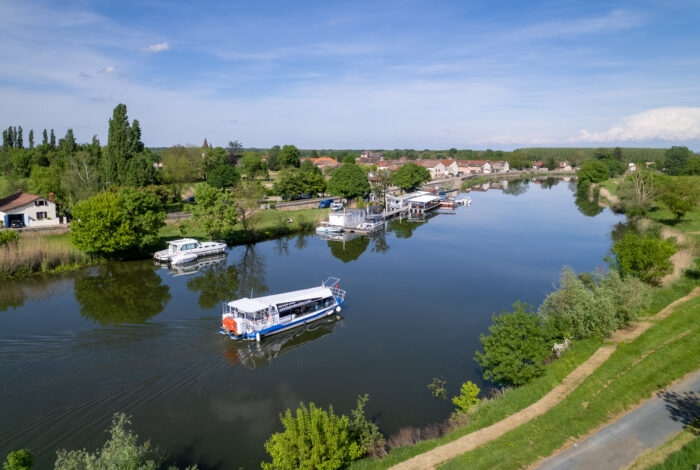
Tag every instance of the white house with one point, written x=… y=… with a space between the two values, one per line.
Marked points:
x=435 y=167
x=451 y=168
x=29 y=209
x=500 y=166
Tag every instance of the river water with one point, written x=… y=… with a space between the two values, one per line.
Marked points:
x=142 y=339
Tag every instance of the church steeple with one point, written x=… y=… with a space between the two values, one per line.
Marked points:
x=205 y=145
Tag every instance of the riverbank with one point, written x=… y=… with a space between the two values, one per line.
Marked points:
x=500 y=418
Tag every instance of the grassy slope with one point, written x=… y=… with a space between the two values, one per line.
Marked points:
x=664 y=353
x=685 y=458
x=677 y=448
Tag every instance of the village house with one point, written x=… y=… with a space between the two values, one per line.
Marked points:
x=323 y=162
x=470 y=167
x=500 y=166
x=370 y=158
x=28 y=210
x=539 y=166
x=435 y=167
x=451 y=168
x=564 y=166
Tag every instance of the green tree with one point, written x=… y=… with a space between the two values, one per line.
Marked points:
x=552 y=164
x=637 y=192
x=19 y=143
x=350 y=250
x=290 y=156
x=19 y=460
x=45 y=139
x=680 y=194
x=307 y=166
x=252 y=165
x=273 y=159
x=112 y=224
x=676 y=160
x=410 y=176
x=214 y=157
x=214 y=212
x=179 y=167
x=349 y=182
x=290 y=184
x=249 y=195
x=223 y=176
x=647 y=257
x=516 y=349
x=31 y=139
x=46 y=180
x=116 y=153
x=234 y=150
x=139 y=170
x=52 y=140
x=81 y=178
x=68 y=144
x=593 y=171
x=468 y=397
x=349 y=160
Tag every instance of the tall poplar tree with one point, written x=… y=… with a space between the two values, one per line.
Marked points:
x=31 y=138
x=5 y=140
x=45 y=138
x=52 y=140
x=10 y=137
x=20 y=138
x=68 y=144
x=123 y=145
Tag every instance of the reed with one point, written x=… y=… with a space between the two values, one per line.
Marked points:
x=30 y=255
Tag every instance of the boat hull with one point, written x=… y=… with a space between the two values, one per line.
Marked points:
x=279 y=328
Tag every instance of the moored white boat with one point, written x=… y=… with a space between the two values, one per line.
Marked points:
x=186 y=250
x=256 y=318
x=325 y=227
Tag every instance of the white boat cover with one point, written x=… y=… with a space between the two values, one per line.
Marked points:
x=424 y=199
x=262 y=303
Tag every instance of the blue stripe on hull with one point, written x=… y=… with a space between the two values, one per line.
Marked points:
x=283 y=327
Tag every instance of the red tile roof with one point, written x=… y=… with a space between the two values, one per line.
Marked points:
x=18 y=199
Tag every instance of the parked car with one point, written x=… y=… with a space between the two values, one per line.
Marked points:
x=189 y=200
x=336 y=206
x=326 y=203
x=305 y=196
x=17 y=224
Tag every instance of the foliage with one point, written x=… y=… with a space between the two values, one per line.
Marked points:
x=113 y=223
x=123 y=144
x=294 y=183
x=588 y=306
x=349 y=160
x=437 y=388
x=647 y=257
x=313 y=439
x=214 y=213
x=349 y=182
x=273 y=158
x=249 y=194
x=252 y=165
x=308 y=166
x=410 y=176
x=637 y=192
x=180 y=165
x=120 y=451
x=365 y=432
x=468 y=398
x=8 y=236
x=593 y=171
x=223 y=176
x=516 y=349
x=290 y=156
x=676 y=160
x=19 y=460
x=679 y=194
x=350 y=250
x=615 y=166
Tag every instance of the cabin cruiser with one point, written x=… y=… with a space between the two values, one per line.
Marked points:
x=256 y=318
x=186 y=250
x=325 y=227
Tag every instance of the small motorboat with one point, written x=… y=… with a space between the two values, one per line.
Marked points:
x=186 y=250
x=325 y=227
x=254 y=319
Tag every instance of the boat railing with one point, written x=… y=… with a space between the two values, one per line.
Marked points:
x=338 y=293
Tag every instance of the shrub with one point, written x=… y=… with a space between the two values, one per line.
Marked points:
x=516 y=349
x=647 y=258
x=594 y=171
x=364 y=431
x=8 y=236
x=313 y=439
x=437 y=388
x=19 y=460
x=468 y=398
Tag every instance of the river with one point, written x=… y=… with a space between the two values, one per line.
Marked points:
x=139 y=338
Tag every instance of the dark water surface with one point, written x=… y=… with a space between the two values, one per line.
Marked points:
x=137 y=338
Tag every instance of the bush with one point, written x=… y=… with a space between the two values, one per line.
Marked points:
x=318 y=439
x=8 y=236
x=19 y=460
x=468 y=398
x=594 y=171
x=516 y=349
x=647 y=258
x=120 y=451
x=437 y=388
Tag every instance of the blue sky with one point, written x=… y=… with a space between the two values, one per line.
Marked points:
x=375 y=74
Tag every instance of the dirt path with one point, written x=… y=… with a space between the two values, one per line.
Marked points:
x=614 y=200
x=434 y=457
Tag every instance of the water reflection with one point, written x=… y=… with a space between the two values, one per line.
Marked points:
x=195 y=267
x=550 y=182
x=217 y=283
x=255 y=355
x=14 y=292
x=122 y=292
x=586 y=206
x=349 y=248
x=404 y=228
x=516 y=187
x=251 y=272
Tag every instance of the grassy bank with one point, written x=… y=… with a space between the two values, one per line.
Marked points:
x=267 y=224
x=681 y=451
x=492 y=411
x=34 y=254
x=664 y=353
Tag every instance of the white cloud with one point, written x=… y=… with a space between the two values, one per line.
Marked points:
x=163 y=46
x=108 y=69
x=614 y=21
x=671 y=123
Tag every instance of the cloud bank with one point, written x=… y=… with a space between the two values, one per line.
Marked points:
x=670 y=123
x=160 y=47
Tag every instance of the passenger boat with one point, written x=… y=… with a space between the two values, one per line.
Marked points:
x=186 y=250
x=253 y=319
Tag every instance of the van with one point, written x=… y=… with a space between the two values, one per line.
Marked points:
x=324 y=204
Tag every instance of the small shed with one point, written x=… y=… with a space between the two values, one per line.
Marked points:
x=347 y=217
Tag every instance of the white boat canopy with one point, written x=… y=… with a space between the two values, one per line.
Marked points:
x=263 y=303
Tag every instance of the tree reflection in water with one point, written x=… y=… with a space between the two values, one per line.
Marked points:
x=254 y=355
x=350 y=249
x=14 y=292
x=404 y=228
x=251 y=273
x=217 y=283
x=550 y=182
x=121 y=292
x=516 y=187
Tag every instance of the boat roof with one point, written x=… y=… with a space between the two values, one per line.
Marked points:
x=181 y=241
x=424 y=198
x=261 y=303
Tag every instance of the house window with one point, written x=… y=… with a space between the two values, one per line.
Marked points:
x=41 y=215
x=40 y=202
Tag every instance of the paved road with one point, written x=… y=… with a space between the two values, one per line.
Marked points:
x=645 y=428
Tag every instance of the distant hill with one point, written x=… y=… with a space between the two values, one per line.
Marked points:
x=629 y=154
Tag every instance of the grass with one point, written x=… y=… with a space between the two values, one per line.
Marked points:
x=41 y=254
x=270 y=223
x=674 y=453
x=665 y=352
x=492 y=411
x=610 y=185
